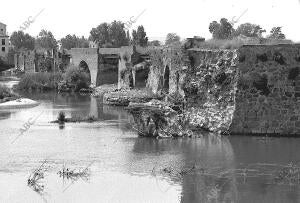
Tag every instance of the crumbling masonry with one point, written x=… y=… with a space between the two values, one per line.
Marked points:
x=252 y=90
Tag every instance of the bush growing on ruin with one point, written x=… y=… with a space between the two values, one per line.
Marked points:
x=222 y=44
x=76 y=77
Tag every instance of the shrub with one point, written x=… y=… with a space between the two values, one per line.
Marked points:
x=76 y=77
x=222 y=44
x=41 y=80
x=61 y=117
x=5 y=92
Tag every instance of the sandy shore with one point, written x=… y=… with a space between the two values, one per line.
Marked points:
x=19 y=103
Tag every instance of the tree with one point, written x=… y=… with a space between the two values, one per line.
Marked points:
x=222 y=30
x=139 y=37
x=100 y=34
x=46 y=40
x=155 y=43
x=117 y=34
x=109 y=35
x=20 y=40
x=276 y=33
x=249 y=30
x=72 y=41
x=172 y=38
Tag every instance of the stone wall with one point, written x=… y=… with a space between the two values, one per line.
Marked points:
x=25 y=61
x=88 y=55
x=252 y=90
x=268 y=95
x=209 y=87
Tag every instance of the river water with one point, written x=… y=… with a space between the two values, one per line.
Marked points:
x=122 y=167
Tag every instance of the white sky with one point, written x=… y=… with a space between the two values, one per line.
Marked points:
x=186 y=18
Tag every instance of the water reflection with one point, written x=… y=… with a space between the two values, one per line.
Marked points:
x=188 y=158
x=128 y=168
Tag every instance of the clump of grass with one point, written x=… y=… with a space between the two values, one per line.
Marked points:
x=34 y=180
x=61 y=117
x=74 y=174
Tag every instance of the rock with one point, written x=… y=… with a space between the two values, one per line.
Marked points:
x=158 y=119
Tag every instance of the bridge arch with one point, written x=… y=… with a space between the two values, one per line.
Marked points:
x=88 y=58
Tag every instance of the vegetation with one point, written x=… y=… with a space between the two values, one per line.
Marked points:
x=110 y=35
x=6 y=94
x=249 y=30
x=4 y=65
x=39 y=81
x=172 y=38
x=20 y=40
x=77 y=77
x=222 y=30
x=76 y=119
x=276 y=33
x=61 y=117
x=155 y=43
x=72 y=41
x=139 y=37
x=46 y=40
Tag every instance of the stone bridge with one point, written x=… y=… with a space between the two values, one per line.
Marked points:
x=95 y=57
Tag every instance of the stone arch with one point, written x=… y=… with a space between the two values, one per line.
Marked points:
x=90 y=57
x=166 y=79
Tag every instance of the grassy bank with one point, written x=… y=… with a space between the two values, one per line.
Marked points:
x=39 y=81
x=73 y=79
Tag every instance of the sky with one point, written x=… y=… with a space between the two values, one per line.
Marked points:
x=187 y=18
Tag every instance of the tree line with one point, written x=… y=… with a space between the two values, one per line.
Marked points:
x=115 y=34
x=110 y=35
x=225 y=30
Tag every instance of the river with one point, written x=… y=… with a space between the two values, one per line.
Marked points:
x=123 y=167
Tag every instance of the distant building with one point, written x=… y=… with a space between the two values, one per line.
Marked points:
x=4 y=41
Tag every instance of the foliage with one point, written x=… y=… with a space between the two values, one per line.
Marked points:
x=249 y=30
x=4 y=65
x=276 y=33
x=139 y=37
x=155 y=43
x=77 y=77
x=45 y=65
x=172 y=38
x=40 y=80
x=110 y=35
x=72 y=41
x=222 y=30
x=222 y=44
x=156 y=56
x=5 y=92
x=21 y=40
x=46 y=40
x=61 y=117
